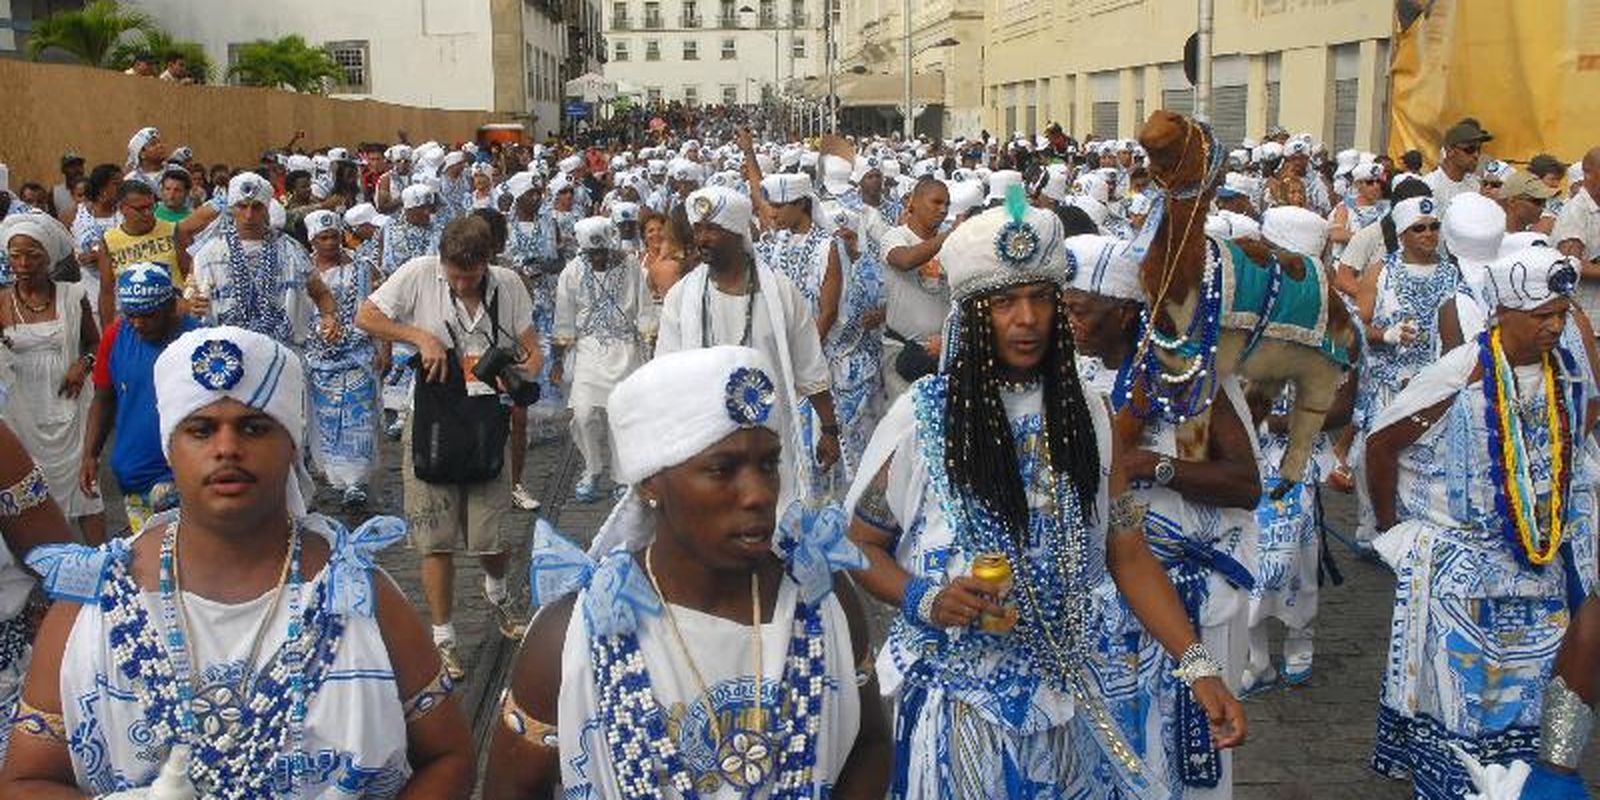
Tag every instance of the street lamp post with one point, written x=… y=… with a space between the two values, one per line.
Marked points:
x=908 y=127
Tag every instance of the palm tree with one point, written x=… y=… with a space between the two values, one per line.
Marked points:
x=286 y=63
x=89 y=34
x=163 y=45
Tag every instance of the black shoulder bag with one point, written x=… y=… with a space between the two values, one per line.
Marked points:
x=457 y=438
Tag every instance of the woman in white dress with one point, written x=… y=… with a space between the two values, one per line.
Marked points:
x=49 y=328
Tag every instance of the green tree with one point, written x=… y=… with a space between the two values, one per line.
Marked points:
x=286 y=63
x=162 y=45
x=89 y=34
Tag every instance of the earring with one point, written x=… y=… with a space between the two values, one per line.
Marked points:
x=652 y=502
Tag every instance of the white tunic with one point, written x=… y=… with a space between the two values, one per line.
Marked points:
x=355 y=729
x=722 y=651
x=602 y=316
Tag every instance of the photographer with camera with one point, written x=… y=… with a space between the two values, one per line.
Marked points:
x=472 y=327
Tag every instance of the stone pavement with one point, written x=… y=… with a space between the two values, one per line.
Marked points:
x=1307 y=742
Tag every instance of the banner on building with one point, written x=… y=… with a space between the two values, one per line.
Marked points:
x=1528 y=71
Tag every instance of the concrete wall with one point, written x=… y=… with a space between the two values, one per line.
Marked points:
x=752 y=69
x=1063 y=43
x=52 y=108
x=875 y=40
x=433 y=53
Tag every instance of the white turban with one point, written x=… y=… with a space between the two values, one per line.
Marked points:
x=570 y=163
x=209 y=364
x=836 y=173
x=725 y=208
x=416 y=195
x=1406 y=212
x=1531 y=277
x=398 y=153
x=248 y=187
x=321 y=221
x=1295 y=229
x=1002 y=180
x=786 y=187
x=520 y=184
x=1473 y=226
x=1366 y=171
x=42 y=228
x=299 y=163
x=964 y=196
x=1517 y=241
x=1099 y=265
x=1055 y=182
x=139 y=142
x=678 y=404
x=1232 y=225
x=1096 y=210
x=595 y=233
x=624 y=212
x=362 y=214
x=992 y=251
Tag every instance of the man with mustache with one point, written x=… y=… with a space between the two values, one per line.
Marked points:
x=238 y=646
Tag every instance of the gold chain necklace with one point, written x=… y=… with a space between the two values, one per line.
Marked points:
x=261 y=627
x=700 y=681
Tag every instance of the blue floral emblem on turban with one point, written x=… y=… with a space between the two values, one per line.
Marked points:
x=1564 y=278
x=1016 y=242
x=750 y=396
x=218 y=364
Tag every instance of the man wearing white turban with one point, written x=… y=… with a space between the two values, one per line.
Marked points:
x=713 y=608
x=1486 y=499
x=735 y=298
x=147 y=157
x=985 y=498
x=230 y=688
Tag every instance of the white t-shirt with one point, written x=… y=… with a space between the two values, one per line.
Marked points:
x=913 y=310
x=418 y=295
x=1444 y=189
x=1580 y=221
x=1365 y=246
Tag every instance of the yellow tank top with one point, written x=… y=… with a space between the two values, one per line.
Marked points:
x=159 y=245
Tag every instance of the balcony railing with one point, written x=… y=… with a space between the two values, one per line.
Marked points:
x=621 y=23
x=652 y=21
x=689 y=20
x=728 y=21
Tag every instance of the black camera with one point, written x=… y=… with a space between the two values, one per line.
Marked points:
x=495 y=367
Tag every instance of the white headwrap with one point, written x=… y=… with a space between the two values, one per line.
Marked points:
x=1056 y=180
x=964 y=196
x=1517 y=241
x=993 y=251
x=727 y=209
x=836 y=172
x=248 y=187
x=1099 y=265
x=1295 y=229
x=570 y=164
x=42 y=228
x=1531 y=277
x=786 y=187
x=1002 y=180
x=624 y=212
x=322 y=220
x=595 y=233
x=520 y=184
x=362 y=214
x=416 y=195
x=1366 y=171
x=139 y=142
x=398 y=153
x=1096 y=210
x=1232 y=225
x=1472 y=228
x=672 y=409
x=1406 y=212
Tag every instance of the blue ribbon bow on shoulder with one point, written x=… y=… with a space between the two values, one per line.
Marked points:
x=618 y=591
x=75 y=572
x=812 y=541
x=350 y=565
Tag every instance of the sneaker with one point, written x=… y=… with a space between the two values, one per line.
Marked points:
x=452 y=662
x=587 y=490
x=355 y=497
x=523 y=500
x=1252 y=684
x=511 y=626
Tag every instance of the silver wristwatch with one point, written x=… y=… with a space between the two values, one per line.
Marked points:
x=1165 y=471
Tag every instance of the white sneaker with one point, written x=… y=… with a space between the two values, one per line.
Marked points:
x=523 y=500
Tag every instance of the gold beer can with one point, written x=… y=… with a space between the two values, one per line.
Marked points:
x=996 y=569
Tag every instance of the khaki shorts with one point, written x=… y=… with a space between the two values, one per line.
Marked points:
x=439 y=517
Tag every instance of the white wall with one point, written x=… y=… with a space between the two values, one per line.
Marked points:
x=433 y=53
x=710 y=73
x=544 y=47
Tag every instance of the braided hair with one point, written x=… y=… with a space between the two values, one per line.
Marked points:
x=979 y=456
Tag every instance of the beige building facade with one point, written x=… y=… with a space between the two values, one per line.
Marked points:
x=1101 y=66
x=948 y=77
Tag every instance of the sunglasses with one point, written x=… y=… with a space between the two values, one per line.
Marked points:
x=1370 y=181
x=1424 y=227
x=1492 y=184
x=1470 y=147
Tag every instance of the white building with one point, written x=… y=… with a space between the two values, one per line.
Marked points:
x=730 y=52
x=507 y=56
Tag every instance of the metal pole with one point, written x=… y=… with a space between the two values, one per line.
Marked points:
x=827 y=57
x=908 y=126
x=1202 y=72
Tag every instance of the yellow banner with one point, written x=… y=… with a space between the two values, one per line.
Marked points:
x=1528 y=70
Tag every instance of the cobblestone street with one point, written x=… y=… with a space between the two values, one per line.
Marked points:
x=1311 y=741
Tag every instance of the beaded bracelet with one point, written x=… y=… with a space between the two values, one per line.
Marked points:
x=917 y=604
x=1564 y=726
x=1196 y=663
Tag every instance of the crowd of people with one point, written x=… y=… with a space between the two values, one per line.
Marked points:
x=803 y=371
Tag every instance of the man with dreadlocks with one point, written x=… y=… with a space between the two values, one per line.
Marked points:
x=984 y=507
